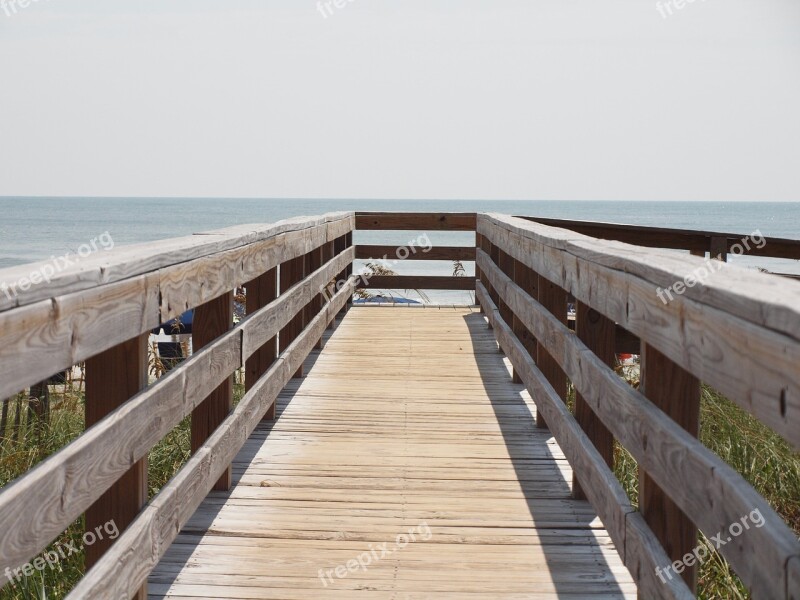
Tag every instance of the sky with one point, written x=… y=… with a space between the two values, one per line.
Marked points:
x=449 y=99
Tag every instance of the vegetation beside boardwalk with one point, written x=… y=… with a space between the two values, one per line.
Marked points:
x=762 y=457
x=34 y=444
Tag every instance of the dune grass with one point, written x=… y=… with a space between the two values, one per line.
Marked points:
x=66 y=423
x=762 y=457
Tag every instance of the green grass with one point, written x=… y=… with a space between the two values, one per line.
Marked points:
x=66 y=423
x=762 y=457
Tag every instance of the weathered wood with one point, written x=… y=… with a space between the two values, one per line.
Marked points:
x=129 y=432
x=260 y=292
x=103 y=309
x=112 y=266
x=265 y=324
x=554 y=299
x=291 y=273
x=677 y=393
x=138 y=550
x=212 y=320
x=70 y=329
x=589 y=467
x=63 y=487
x=679 y=239
x=415 y=221
x=112 y=378
x=450 y=253
x=718 y=248
x=416 y=282
x=672 y=457
x=598 y=333
x=740 y=329
x=506 y=264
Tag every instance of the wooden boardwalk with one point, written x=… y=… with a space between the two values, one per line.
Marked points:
x=406 y=421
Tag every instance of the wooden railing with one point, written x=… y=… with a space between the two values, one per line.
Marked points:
x=101 y=312
x=738 y=332
x=384 y=221
x=717 y=244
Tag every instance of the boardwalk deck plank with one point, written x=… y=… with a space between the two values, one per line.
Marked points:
x=420 y=427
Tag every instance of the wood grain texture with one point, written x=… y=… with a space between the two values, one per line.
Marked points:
x=112 y=378
x=139 y=549
x=452 y=446
x=96 y=313
x=416 y=282
x=698 y=481
x=126 y=262
x=449 y=253
x=637 y=544
x=738 y=331
x=86 y=468
x=212 y=320
x=681 y=239
x=260 y=293
x=291 y=273
x=599 y=335
x=415 y=221
x=677 y=393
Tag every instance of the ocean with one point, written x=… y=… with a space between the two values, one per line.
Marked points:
x=33 y=229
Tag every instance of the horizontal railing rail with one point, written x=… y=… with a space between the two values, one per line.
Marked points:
x=383 y=221
x=718 y=244
x=288 y=269
x=737 y=332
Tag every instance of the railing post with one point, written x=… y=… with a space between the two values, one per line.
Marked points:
x=291 y=272
x=328 y=252
x=348 y=242
x=338 y=247
x=112 y=378
x=212 y=320
x=506 y=264
x=718 y=248
x=599 y=334
x=526 y=279
x=479 y=276
x=554 y=299
x=260 y=292
x=677 y=393
x=317 y=260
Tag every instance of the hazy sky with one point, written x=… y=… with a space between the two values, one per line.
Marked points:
x=513 y=99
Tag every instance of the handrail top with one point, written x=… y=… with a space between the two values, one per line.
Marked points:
x=552 y=221
x=761 y=298
x=127 y=261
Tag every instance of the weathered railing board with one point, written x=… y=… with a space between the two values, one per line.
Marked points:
x=139 y=549
x=112 y=378
x=291 y=273
x=212 y=320
x=69 y=329
x=449 y=253
x=260 y=292
x=677 y=393
x=674 y=459
x=712 y=343
x=415 y=221
x=66 y=484
x=416 y=282
x=679 y=239
x=602 y=488
x=116 y=265
x=599 y=335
